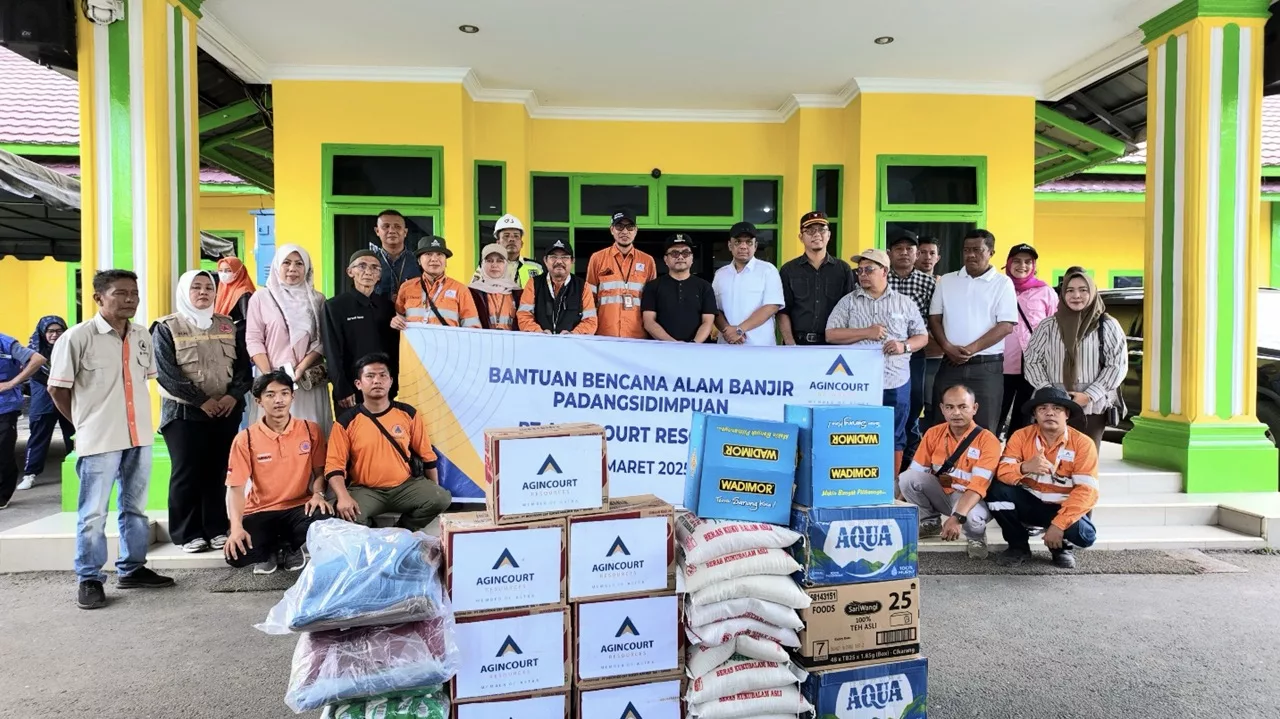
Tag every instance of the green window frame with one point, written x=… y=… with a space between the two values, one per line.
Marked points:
x=577 y=182
x=666 y=182
x=235 y=235
x=329 y=281
x=73 y=294
x=838 y=235
x=482 y=238
x=884 y=162
x=1113 y=274
x=1058 y=272
x=1274 y=276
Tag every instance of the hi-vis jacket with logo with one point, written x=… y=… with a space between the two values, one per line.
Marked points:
x=612 y=278
x=450 y=296
x=973 y=470
x=1074 y=482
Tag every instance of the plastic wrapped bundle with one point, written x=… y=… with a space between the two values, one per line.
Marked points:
x=360 y=577
x=428 y=704
x=331 y=666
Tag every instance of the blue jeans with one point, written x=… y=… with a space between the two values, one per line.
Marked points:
x=98 y=473
x=42 y=426
x=899 y=398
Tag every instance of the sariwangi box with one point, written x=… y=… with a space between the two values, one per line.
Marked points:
x=513 y=653
x=898 y=690
x=740 y=468
x=490 y=567
x=846 y=455
x=632 y=638
x=627 y=549
x=650 y=700
x=860 y=623
x=546 y=470
x=548 y=706
x=855 y=544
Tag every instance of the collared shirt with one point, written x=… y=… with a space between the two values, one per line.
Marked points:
x=812 y=293
x=395 y=272
x=971 y=306
x=354 y=326
x=973 y=469
x=1074 y=480
x=918 y=286
x=361 y=453
x=451 y=298
x=678 y=305
x=617 y=281
x=107 y=375
x=740 y=293
x=276 y=469
x=898 y=315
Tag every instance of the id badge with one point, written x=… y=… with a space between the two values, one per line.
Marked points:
x=628 y=302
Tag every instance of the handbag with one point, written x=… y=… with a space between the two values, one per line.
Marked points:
x=315 y=375
x=417 y=468
x=950 y=464
x=1115 y=412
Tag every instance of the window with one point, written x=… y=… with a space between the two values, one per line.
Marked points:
x=760 y=202
x=1124 y=279
x=601 y=196
x=941 y=196
x=384 y=176
x=828 y=186
x=209 y=260
x=351 y=229
x=697 y=201
x=490 y=199
x=550 y=198
x=927 y=185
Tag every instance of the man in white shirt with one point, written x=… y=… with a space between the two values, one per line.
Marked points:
x=748 y=292
x=972 y=311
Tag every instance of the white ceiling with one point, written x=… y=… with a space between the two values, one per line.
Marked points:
x=683 y=54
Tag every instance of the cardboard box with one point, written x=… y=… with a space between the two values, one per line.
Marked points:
x=631 y=638
x=655 y=699
x=740 y=468
x=856 y=544
x=543 y=706
x=899 y=690
x=544 y=471
x=627 y=549
x=860 y=623
x=846 y=455
x=490 y=567
x=515 y=653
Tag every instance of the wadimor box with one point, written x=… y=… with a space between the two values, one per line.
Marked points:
x=545 y=470
x=631 y=638
x=491 y=567
x=513 y=653
x=659 y=699
x=546 y=706
x=856 y=544
x=740 y=468
x=897 y=690
x=854 y=624
x=627 y=549
x=846 y=455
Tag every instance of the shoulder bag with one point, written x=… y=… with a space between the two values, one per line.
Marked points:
x=432 y=303
x=417 y=470
x=1116 y=411
x=950 y=464
x=315 y=375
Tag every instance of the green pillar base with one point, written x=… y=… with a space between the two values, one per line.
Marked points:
x=157 y=489
x=1211 y=457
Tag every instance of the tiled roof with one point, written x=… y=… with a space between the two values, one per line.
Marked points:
x=1126 y=183
x=37 y=105
x=1270 y=137
x=208 y=175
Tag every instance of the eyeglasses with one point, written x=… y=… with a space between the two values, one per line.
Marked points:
x=367 y=268
x=625 y=228
x=815 y=231
x=868 y=270
x=680 y=253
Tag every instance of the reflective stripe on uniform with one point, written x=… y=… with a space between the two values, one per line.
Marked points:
x=415 y=312
x=588 y=313
x=983 y=473
x=592 y=288
x=471 y=322
x=1000 y=506
x=917 y=467
x=1050 y=497
x=1085 y=479
x=526 y=308
x=607 y=286
x=635 y=286
x=610 y=300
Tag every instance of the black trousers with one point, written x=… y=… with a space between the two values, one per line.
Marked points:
x=915 y=425
x=1014 y=508
x=198 y=452
x=1017 y=390
x=984 y=375
x=8 y=455
x=275 y=530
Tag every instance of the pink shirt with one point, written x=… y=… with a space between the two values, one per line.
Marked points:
x=1036 y=304
x=266 y=333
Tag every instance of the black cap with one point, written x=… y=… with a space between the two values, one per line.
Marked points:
x=1052 y=395
x=1024 y=247
x=902 y=236
x=559 y=246
x=623 y=217
x=432 y=243
x=743 y=228
x=361 y=253
x=813 y=218
x=679 y=238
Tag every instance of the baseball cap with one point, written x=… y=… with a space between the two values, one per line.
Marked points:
x=623 y=217
x=559 y=246
x=902 y=236
x=880 y=257
x=679 y=239
x=743 y=228
x=813 y=218
x=1024 y=247
x=493 y=248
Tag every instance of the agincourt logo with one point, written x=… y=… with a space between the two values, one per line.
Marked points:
x=509 y=647
x=839 y=367
x=618 y=546
x=627 y=629
x=550 y=465
x=630 y=712
x=506 y=560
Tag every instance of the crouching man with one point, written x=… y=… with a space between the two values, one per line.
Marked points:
x=1048 y=477
x=275 y=482
x=951 y=473
x=369 y=466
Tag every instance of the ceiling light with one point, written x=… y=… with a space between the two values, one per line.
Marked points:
x=884 y=40
x=472 y=30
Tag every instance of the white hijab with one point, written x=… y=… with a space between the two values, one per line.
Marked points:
x=300 y=302
x=203 y=319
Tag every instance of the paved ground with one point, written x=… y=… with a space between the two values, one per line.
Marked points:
x=43 y=499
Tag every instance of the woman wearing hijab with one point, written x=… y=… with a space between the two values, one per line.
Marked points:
x=203 y=376
x=44 y=416
x=493 y=291
x=1083 y=350
x=1036 y=301
x=282 y=330
x=234 y=289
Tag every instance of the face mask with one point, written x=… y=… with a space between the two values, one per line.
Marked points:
x=226 y=276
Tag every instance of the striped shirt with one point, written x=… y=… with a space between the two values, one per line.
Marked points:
x=1074 y=481
x=1042 y=362
x=899 y=316
x=974 y=468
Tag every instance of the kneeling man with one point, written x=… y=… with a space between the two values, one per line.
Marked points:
x=1048 y=478
x=370 y=447
x=951 y=472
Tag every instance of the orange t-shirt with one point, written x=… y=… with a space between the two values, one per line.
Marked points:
x=277 y=468
x=973 y=470
x=1074 y=482
x=612 y=278
x=360 y=452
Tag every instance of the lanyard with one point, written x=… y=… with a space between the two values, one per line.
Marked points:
x=557 y=301
x=626 y=280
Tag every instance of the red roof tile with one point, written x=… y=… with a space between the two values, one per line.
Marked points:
x=37 y=105
x=1087 y=184
x=208 y=175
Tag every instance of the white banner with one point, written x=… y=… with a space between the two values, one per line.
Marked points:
x=643 y=392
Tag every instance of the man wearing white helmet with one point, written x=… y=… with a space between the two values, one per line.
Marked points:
x=510 y=234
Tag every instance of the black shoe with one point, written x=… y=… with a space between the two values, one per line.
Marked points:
x=1014 y=556
x=143 y=578
x=1063 y=558
x=90 y=595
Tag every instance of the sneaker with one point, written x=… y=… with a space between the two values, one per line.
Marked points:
x=1063 y=558
x=977 y=549
x=1015 y=556
x=143 y=578
x=195 y=546
x=267 y=567
x=930 y=527
x=90 y=595
x=218 y=542
x=27 y=481
x=294 y=561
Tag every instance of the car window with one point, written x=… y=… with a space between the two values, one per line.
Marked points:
x=1268 y=328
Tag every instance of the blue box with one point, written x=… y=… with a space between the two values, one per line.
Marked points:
x=899 y=690
x=846 y=455
x=855 y=544
x=740 y=468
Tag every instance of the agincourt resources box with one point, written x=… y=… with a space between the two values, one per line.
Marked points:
x=491 y=567
x=544 y=471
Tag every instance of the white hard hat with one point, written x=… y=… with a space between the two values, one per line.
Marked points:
x=507 y=222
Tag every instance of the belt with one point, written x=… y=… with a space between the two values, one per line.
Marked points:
x=983 y=359
x=811 y=338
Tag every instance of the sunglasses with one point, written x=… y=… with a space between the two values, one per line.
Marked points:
x=868 y=270
x=680 y=253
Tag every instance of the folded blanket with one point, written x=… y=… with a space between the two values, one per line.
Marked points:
x=432 y=703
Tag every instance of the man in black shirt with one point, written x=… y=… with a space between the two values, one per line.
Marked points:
x=358 y=323
x=678 y=307
x=812 y=284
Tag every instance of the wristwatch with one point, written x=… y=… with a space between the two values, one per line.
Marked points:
x=960 y=517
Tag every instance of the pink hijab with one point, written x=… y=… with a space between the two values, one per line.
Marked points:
x=1029 y=282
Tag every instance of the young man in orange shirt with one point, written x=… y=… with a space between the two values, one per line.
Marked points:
x=616 y=276
x=275 y=485
x=370 y=448
x=950 y=478
x=434 y=298
x=1048 y=478
x=557 y=303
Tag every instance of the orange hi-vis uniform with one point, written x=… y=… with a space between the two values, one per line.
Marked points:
x=617 y=281
x=1074 y=482
x=973 y=470
x=451 y=297
x=501 y=309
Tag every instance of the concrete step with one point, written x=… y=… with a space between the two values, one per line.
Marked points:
x=49 y=543
x=168 y=556
x=1122 y=537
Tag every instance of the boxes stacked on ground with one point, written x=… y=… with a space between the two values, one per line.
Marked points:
x=740 y=468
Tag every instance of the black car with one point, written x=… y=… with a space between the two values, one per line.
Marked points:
x=1126 y=306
